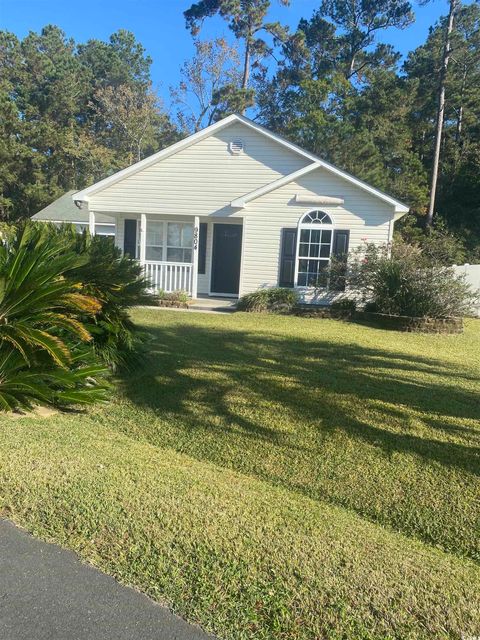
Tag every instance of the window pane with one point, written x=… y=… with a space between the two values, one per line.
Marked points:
x=174 y=234
x=314 y=248
x=154 y=253
x=305 y=235
x=187 y=235
x=187 y=255
x=314 y=251
x=154 y=233
x=322 y=277
x=175 y=255
x=313 y=266
x=302 y=265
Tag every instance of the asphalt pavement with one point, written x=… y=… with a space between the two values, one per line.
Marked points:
x=47 y=593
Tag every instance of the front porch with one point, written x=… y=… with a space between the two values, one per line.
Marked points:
x=170 y=276
x=198 y=255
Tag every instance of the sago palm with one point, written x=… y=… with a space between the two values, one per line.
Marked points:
x=43 y=353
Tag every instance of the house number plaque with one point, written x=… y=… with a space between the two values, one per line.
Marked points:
x=195 y=238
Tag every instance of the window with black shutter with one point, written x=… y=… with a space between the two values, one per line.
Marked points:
x=287 y=258
x=202 y=248
x=130 y=238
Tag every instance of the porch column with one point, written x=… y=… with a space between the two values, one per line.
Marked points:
x=143 y=237
x=91 y=222
x=196 y=233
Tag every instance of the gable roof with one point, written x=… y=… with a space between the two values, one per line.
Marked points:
x=280 y=182
x=83 y=196
x=63 y=209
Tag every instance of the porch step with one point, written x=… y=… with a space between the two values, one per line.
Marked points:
x=208 y=303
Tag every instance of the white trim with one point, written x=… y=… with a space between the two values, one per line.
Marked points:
x=240 y=203
x=310 y=225
x=195 y=241
x=234 y=221
x=84 y=222
x=316 y=225
x=321 y=201
x=143 y=238
x=82 y=196
x=242 y=253
x=91 y=222
x=399 y=206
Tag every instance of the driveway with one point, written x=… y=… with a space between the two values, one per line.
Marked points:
x=46 y=593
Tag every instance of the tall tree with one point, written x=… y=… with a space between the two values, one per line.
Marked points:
x=130 y=120
x=357 y=22
x=247 y=20
x=213 y=68
x=457 y=199
x=56 y=130
x=453 y=5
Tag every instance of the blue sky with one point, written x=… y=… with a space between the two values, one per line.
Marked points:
x=160 y=27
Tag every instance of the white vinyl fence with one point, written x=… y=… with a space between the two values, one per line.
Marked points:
x=472 y=276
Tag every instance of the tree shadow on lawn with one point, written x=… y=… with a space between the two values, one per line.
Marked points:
x=393 y=438
x=316 y=382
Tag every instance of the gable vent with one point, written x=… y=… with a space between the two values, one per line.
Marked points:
x=236 y=146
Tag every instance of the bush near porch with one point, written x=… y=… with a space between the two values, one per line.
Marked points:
x=273 y=477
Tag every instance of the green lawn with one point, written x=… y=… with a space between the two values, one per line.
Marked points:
x=273 y=477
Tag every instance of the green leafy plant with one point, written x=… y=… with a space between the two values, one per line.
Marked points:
x=275 y=299
x=45 y=347
x=408 y=281
x=175 y=298
x=344 y=306
x=117 y=282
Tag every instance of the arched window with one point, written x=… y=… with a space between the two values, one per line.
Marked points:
x=314 y=249
x=316 y=217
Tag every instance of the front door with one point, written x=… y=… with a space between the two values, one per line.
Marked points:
x=226 y=256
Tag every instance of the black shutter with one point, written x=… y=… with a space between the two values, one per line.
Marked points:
x=287 y=258
x=202 y=247
x=341 y=240
x=130 y=238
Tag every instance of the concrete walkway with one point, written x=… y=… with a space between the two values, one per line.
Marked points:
x=46 y=593
x=204 y=304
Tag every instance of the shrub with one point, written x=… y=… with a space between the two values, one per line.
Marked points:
x=344 y=306
x=176 y=298
x=408 y=282
x=45 y=347
x=275 y=299
x=437 y=243
x=118 y=283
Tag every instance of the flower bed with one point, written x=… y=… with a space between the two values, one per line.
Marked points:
x=407 y=323
x=383 y=320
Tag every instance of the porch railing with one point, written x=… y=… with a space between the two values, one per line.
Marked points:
x=169 y=276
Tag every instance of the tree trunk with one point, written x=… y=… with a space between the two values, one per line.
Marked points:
x=440 y=112
x=246 y=65
x=458 y=133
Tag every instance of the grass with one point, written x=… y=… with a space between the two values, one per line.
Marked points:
x=273 y=477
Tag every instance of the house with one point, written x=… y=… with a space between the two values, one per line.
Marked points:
x=234 y=208
x=64 y=210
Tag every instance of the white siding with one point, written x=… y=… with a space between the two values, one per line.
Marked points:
x=202 y=179
x=203 y=278
x=364 y=215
